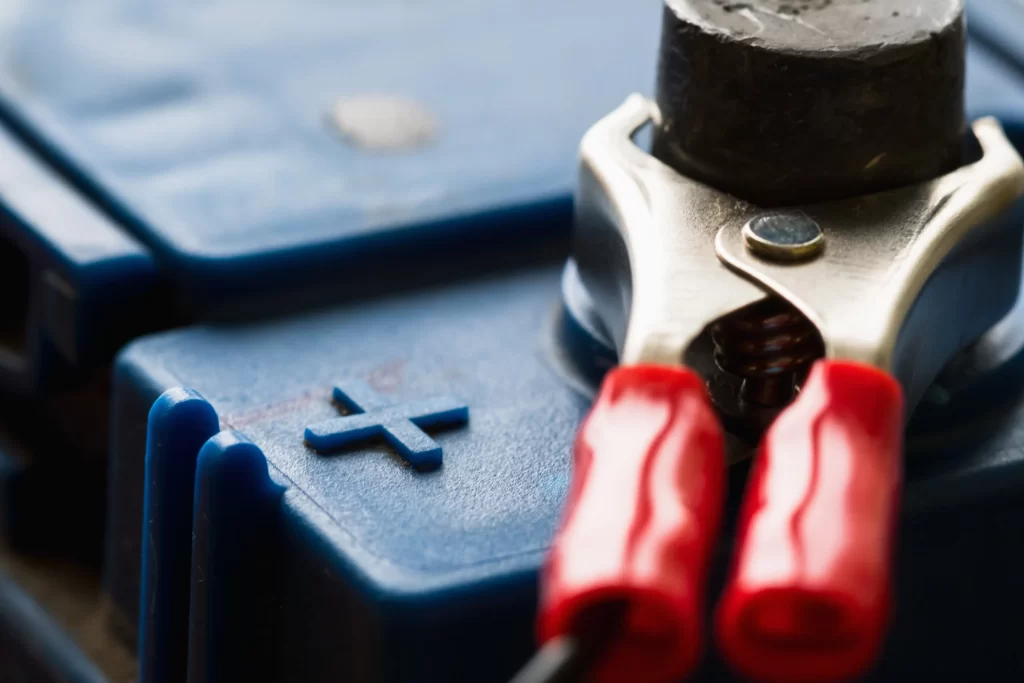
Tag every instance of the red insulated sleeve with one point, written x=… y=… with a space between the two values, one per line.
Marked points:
x=639 y=525
x=808 y=598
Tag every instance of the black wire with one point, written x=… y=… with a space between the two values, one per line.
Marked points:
x=559 y=661
x=567 y=659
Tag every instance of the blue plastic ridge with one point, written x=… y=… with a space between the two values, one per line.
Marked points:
x=180 y=422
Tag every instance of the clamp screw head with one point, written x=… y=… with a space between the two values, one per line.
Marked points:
x=784 y=236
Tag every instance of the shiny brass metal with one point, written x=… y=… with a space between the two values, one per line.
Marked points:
x=664 y=256
x=883 y=248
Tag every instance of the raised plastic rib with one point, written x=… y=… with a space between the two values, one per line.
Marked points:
x=809 y=594
x=640 y=524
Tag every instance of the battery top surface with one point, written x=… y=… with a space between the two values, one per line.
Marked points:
x=224 y=130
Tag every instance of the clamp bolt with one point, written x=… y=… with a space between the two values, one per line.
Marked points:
x=784 y=236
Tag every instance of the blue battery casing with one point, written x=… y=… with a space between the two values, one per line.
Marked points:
x=203 y=139
x=434 y=572
x=996 y=24
x=353 y=565
x=165 y=163
x=73 y=282
x=261 y=558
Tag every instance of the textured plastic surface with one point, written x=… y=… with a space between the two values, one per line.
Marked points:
x=351 y=564
x=809 y=594
x=180 y=421
x=401 y=427
x=444 y=562
x=213 y=143
x=396 y=549
x=640 y=524
x=60 y=260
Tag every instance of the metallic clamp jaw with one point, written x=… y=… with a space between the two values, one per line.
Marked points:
x=906 y=279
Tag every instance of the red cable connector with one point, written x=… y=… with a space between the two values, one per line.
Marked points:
x=640 y=524
x=809 y=594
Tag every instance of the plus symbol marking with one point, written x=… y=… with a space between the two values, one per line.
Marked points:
x=401 y=426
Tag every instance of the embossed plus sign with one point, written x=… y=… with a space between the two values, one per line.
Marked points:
x=400 y=425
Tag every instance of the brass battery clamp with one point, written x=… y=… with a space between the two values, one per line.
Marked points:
x=814 y=234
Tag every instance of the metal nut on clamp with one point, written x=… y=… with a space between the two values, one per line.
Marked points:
x=664 y=257
x=665 y=261
x=786 y=236
x=704 y=264
x=879 y=294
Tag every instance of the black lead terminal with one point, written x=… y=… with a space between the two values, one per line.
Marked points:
x=794 y=101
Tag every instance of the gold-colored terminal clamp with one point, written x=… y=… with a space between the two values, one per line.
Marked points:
x=889 y=279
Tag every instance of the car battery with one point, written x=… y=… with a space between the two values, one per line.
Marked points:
x=237 y=181
x=155 y=174
x=429 y=536
x=351 y=460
